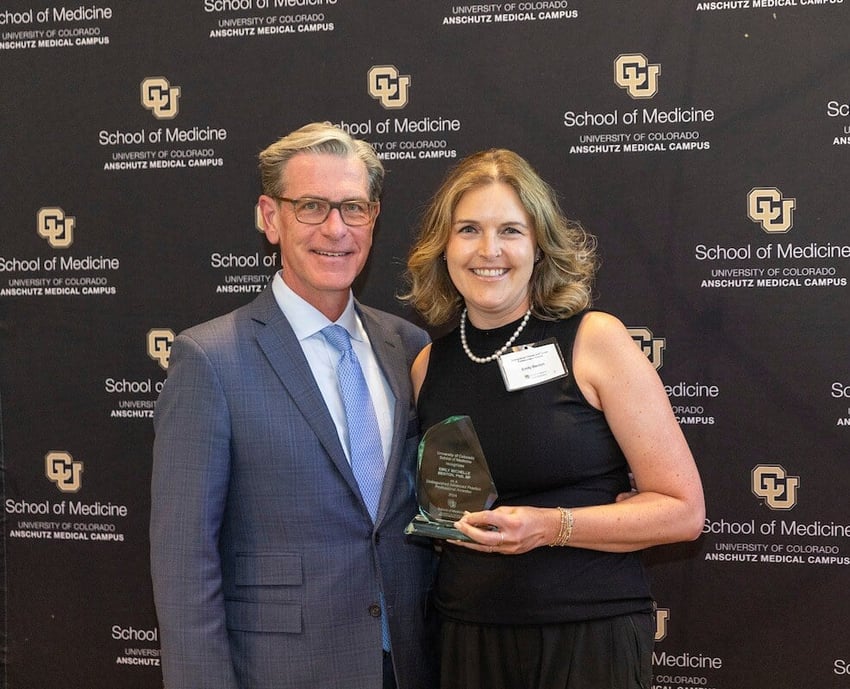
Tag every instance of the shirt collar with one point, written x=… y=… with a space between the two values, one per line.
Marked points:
x=305 y=319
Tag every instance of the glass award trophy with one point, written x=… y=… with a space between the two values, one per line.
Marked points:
x=452 y=478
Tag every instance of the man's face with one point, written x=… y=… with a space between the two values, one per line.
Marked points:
x=320 y=262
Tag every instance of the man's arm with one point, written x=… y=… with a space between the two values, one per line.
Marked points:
x=188 y=492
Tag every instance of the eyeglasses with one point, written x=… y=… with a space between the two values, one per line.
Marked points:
x=353 y=212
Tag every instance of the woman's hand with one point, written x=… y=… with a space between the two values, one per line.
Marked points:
x=509 y=530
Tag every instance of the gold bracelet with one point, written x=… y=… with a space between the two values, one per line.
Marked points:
x=566 y=529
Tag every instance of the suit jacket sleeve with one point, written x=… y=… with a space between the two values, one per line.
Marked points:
x=188 y=493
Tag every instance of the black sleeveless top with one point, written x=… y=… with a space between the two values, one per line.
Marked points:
x=546 y=447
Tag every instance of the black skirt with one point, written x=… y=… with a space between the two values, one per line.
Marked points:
x=611 y=653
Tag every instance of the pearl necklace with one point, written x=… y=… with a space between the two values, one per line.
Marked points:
x=495 y=355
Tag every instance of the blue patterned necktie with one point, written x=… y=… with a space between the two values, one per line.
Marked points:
x=364 y=437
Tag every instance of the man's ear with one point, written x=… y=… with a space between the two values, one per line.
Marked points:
x=270 y=218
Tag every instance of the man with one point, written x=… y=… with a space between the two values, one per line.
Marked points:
x=269 y=571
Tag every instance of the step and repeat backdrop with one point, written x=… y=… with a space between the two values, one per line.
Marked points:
x=705 y=144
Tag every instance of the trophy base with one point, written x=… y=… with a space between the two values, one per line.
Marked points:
x=421 y=526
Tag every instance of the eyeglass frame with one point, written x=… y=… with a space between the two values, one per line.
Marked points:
x=372 y=205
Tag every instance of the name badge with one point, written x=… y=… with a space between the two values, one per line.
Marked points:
x=533 y=364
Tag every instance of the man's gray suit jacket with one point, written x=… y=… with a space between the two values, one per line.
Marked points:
x=267 y=569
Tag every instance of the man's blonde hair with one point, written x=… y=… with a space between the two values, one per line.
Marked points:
x=317 y=137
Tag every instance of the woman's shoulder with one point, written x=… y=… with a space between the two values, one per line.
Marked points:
x=604 y=341
x=599 y=322
x=591 y=324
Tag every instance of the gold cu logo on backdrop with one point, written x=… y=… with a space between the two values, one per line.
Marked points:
x=159 y=345
x=56 y=227
x=662 y=617
x=633 y=73
x=774 y=486
x=766 y=206
x=388 y=87
x=160 y=97
x=653 y=347
x=62 y=470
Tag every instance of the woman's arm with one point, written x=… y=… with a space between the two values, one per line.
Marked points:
x=419 y=369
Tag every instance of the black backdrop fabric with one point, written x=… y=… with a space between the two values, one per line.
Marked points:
x=705 y=144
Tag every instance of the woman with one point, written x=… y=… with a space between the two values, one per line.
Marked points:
x=550 y=591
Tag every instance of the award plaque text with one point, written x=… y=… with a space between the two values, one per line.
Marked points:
x=452 y=478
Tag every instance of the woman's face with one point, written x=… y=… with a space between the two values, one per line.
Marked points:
x=490 y=254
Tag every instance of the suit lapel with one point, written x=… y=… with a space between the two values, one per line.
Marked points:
x=390 y=353
x=283 y=351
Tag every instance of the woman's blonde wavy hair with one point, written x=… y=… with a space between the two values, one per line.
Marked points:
x=562 y=281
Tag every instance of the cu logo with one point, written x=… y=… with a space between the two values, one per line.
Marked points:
x=388 y=87
x=766 y=206
x=775 y=487
x=62 y=470
x=662 y=617
x=159 y=345
x=653 y=347
x=160 y=97
x=56 y=227
x=633 y=73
